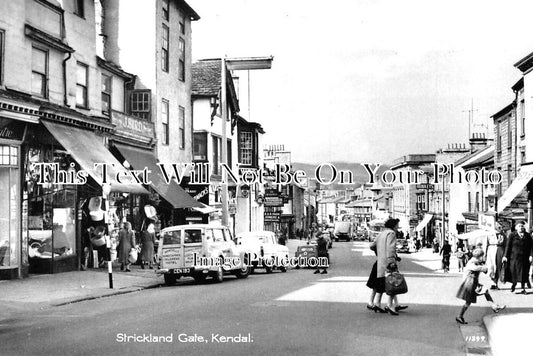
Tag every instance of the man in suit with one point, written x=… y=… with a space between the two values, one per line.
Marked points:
x=519 y=254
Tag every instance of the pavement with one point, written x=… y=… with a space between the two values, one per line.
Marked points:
x=505 y=332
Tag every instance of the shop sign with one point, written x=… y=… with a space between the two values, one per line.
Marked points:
x=272 y=216
x=232 y=209
x=487 y=222
x=11 y=129
x=132 y=124
x=273 y=201
x=270 y=192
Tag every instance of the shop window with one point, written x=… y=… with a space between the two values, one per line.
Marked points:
x=181 y=67
x=8 y=155
x=51 y=212
x=39 y=72
x=106 y=94
x=141 y=104
x=9 y=208
x=182 y=127
x=165 y=48
x=164 y=120
x=81 y=85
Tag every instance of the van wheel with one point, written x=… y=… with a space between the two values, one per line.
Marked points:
x=218 y=276
x=170 y=279
x=244 y=271
x=199 y=278
x=283 y=269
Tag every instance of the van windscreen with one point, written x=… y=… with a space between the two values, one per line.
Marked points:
x=192 y=236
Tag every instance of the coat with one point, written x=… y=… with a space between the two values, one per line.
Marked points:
x=518 y=250
x=126 y=240
x=385 y=250
x=468 y=290
x=147 y=246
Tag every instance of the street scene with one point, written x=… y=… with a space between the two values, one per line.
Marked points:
x=212 y=177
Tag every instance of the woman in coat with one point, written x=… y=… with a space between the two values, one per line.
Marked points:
x=126 y=241
x=386 y=253
x=147 y=244
x=518 y=253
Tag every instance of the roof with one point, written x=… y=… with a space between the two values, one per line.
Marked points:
x=255 y=125
x=504 y=111
x=190 y=11
x=206 y=78
x=359 y=203
x=479 y=158
x=518 y=85
x=525 y=63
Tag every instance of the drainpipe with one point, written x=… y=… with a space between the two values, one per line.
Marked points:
x=65 y=97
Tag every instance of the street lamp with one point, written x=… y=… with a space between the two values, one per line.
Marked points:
x=242 y=63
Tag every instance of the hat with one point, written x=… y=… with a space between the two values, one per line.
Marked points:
x=95 y=209
x=150 y=212
x=477 y=253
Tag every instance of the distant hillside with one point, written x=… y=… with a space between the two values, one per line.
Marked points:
x=360 y=174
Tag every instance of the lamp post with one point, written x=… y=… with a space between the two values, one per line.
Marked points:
x=242 y=63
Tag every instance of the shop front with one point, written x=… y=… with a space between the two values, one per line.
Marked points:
x=11 y=137
x=57 y=207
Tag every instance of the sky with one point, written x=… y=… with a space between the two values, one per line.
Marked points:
x=370 y=80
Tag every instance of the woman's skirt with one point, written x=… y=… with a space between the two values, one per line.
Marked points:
x=467 y=290
x=374 y=282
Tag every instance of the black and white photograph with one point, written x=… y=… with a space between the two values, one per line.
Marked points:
x=266 y=177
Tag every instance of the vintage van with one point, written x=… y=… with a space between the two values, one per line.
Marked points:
x=199 y=251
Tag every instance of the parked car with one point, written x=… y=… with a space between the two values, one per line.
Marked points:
x=199 y=251
x=402 y=245
x=306 y=251
x=343 y=230
x=268 y=253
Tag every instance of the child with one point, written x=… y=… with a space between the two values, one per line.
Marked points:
x=470 y=288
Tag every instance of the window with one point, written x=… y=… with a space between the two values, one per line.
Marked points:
x=498 y=138
x=229 y=153
x=200 y=146
x=477 y=202
x=246 y=148
x=106 y=94
x=522 y=157
x=81 y=85
x=166 y=6
x=509 y=133
x=182 y=23
x=164 y=120
x=141 y=104
x=509 y=174
x=79 y=8
x=500 y=185
x=39 y=72
x=1 y=56
x=181 y=68
x=523 y=133
x=469 y=202
x=216 y=155
x=164 y=50
x=182 y=127
x=9 y=156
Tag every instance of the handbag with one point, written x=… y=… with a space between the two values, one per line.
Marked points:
x=395 y=284
x=133 y=255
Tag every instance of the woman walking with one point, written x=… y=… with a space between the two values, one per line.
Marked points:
x=373 y=284
x=386 y=252
x=519 y=254
x=126 y=241
x=470 y=288
x=147 y=244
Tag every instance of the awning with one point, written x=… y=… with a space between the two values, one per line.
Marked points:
x=206 y=209
x=521 y=180
x=87 y=149
x=424 y=222
x=475 y=237
x=173 y=193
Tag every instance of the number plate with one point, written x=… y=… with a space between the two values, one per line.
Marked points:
x=182 y=270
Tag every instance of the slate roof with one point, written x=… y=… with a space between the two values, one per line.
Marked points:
x=206 y=80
